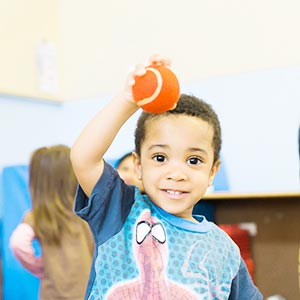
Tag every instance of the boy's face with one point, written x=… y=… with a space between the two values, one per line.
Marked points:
x=176 y=163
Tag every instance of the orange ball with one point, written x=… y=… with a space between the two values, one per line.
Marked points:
x=157 y=91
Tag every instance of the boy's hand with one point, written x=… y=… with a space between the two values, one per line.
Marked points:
x=140 y=70
x=159 y=60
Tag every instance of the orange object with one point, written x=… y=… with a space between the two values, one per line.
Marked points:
x=157 y=91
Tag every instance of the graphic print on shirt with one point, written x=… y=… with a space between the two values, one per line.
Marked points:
x=151 y=254
x=198 y=259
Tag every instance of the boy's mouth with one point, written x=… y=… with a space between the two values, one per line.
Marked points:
x=176 y=194
x=173 y=192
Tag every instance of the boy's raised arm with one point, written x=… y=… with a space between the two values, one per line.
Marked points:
x=89 y=148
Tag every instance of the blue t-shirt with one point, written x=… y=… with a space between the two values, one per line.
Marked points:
x=143 y=252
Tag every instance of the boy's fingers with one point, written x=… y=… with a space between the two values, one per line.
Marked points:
x=131 y=81
x=157 y=59
x=139 y=70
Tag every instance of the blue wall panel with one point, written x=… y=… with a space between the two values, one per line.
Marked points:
x=18 y=284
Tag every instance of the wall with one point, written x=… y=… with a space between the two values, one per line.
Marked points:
x=259 y=112
x=260 y=116
x=25 y=27
x=62 y=50
x=241 y=56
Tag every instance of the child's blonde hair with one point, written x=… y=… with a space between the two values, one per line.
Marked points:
x=52 y=187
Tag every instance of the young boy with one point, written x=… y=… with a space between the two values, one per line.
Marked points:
x=150 y=246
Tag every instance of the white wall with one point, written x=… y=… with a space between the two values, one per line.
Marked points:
x=260 y=117
x=259 y=113
x=95 y=41
x=241 y=56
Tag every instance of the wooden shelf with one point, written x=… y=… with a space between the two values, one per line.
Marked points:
x=275 y=248
x=232 y=196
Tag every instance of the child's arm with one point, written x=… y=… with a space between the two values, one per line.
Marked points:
x=88 y=150
x=21 y=245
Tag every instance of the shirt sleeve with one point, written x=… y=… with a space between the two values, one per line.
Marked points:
x=108 y=206
x=21 y=245
x=243 y=287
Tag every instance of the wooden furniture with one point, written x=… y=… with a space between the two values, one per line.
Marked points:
x=276 y=246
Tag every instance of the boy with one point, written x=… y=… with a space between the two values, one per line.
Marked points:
x=150 y=246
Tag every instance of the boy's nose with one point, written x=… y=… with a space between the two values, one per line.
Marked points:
x=176 y=172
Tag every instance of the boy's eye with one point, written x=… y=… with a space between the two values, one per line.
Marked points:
x=194 y=161
x=159 y=158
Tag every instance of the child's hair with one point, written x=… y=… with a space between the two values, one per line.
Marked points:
x=187 y=105
x=52 y=187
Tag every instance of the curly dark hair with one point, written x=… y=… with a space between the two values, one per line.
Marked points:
x=187 y=105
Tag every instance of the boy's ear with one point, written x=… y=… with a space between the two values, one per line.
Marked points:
x=214 y=170
x=137 y=165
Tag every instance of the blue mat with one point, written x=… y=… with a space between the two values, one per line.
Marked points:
x=18 y=284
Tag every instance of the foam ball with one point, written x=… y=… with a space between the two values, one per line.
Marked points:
x=157 y=91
